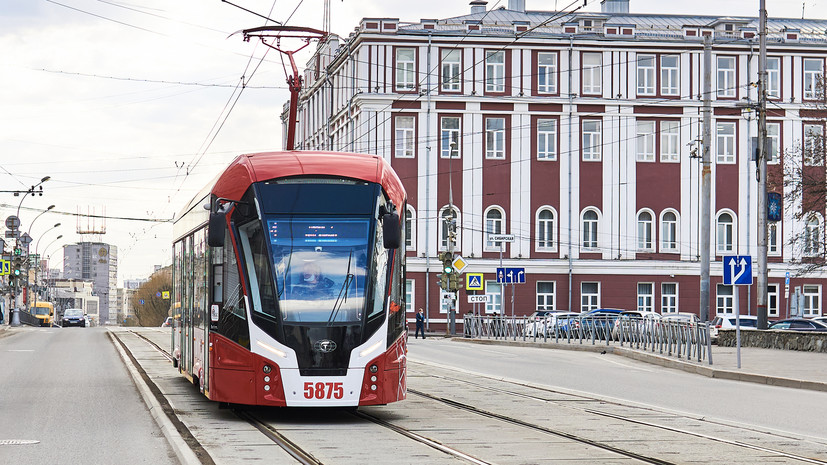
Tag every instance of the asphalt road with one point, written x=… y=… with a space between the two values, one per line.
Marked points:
x=781 y=409
x=66 y=397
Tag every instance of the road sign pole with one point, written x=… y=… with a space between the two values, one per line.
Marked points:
x=737 y=291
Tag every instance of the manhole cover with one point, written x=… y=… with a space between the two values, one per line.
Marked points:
x=17 y=442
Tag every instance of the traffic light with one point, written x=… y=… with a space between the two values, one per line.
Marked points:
x=447 y=271
x=453 y=284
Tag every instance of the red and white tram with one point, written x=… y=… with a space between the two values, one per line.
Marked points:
x=289 y=283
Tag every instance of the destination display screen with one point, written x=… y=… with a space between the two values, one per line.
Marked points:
x=317 y=232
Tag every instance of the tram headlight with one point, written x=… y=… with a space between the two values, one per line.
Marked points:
x=266 y=387
x=373 y=368
x=267 y=369
x=372 y=387
x=373 y=379
x=266 y=379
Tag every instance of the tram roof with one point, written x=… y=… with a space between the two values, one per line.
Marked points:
x=255 y=167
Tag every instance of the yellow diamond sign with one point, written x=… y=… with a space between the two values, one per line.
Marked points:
x=459 y=264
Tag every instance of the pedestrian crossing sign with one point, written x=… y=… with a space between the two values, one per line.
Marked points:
x=473 y=282
x=5 y=267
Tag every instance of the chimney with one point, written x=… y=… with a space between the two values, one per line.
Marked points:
x=614 y=6
x=516 y=5
x=478 y=6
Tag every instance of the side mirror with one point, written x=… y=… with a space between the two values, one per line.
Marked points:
x=391 y=231
x=217 y=225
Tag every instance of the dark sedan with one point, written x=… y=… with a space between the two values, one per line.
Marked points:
x=73 y=317
x=798 y=324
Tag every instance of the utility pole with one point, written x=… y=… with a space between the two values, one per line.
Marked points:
x=706 y=177
x=762 y=167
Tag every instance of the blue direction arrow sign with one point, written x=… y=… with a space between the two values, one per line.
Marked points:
x=737 y=270
x=511 y=275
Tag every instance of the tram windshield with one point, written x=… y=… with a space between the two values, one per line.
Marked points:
x=320 y=266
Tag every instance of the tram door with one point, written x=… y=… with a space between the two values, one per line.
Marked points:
x=186 y=314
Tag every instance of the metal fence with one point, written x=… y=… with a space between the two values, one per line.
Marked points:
x=682 y=339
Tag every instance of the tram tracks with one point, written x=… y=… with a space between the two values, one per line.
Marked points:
x=447 y=391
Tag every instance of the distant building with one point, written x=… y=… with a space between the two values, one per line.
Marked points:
x=96 y=262
x=74 y=293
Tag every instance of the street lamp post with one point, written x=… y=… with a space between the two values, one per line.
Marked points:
x=37 y=265
x=15 y=320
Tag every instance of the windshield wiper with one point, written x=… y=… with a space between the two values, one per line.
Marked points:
x=342 y=297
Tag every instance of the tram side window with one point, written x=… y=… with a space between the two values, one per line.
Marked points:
x=257 y=258
x=396 y=319
x=232 y=321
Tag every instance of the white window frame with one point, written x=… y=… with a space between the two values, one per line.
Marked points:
x=813 y=144
x=546 y=300
x=495 y=71
x=405 y=69
x=774 y=77
x=404 y=136
x=812 y=299
x=592 y=72
x=451 y=69
x=410 y=287
x=493 y=290
x=774 y=236
x=772 y=300
x=448 y=136
x=813 y=234
x=589 y=301
x=668 y=300
x=645 y=231
x=592 y=139
x=493 y=226
x=546 y=230
x=773 y=142
x=670 y=76
x=410 y=228
x=547 y=139
x=724 y=300
x=645 y=140
x=646 y=72
x=547 y=73
x=725 y=233
x=495 y=137
x=812 y=68
x=669 y=228
x=670 y=141
x=646 y=297
x=726 y=76
x=590 y=228
x=725 y=142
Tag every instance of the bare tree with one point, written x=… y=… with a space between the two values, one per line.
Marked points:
x=805 y=186
x=155 y=308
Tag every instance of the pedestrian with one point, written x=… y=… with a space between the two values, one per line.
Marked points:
x=420 y=324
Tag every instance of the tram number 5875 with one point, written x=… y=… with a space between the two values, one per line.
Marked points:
x=323 y=390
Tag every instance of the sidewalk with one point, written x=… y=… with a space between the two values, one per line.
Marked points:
x=785 y=368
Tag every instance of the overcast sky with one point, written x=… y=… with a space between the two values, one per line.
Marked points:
x=131 y=106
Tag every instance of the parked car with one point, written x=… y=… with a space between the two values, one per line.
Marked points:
x=73 y=317
x=821 y=319
x=798 y=324
x=545 y=325
x=633 y=324
x=598 y=323
x=728 y=321
x=681 y=317
x=167 y=323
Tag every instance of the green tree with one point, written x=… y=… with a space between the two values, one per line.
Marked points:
x=155 y=308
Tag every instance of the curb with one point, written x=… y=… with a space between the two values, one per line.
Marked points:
x=182 y=450
x=655 y=359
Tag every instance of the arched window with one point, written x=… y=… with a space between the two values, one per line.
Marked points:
x=448 y=226
x=494 y=224
x=812 y=235
x=589 y=228
x=669 y=231
x=546 y=230
x=410 y=229
x=725 y=233
x=645 y=227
